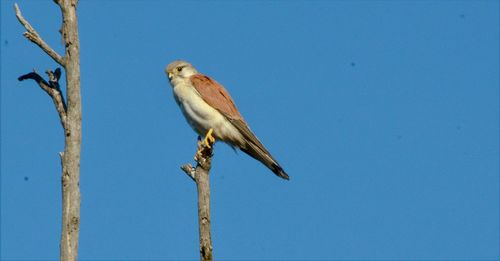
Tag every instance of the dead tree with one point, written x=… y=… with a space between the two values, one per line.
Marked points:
x=70 y=115
x=201 y=177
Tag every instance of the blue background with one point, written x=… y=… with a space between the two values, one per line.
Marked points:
x=384 y=113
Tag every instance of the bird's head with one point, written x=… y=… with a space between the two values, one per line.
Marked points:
x=179 y=71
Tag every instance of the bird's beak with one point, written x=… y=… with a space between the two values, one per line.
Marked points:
x=170 y=75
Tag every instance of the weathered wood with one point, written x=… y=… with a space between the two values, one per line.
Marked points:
x=73 y=137
x=200 y=174
x=52 y=89
x=32 y=35
x=70 y=114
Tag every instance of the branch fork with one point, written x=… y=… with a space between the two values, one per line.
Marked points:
x=203 y=160
x=51 y=87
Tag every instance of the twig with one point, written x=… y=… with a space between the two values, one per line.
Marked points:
x=52 y=89
x=189 y=170
x=32 y=35
x=200 y=175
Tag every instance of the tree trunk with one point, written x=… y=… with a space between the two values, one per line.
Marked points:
x=70 y=114
x=73 y=135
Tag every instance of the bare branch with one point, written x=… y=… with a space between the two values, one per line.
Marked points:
x=203 y=186
x=34 y=37
x=200 y=175
x=52 y=89
x=189 y=170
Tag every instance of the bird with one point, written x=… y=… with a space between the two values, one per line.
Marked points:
x=212 y=113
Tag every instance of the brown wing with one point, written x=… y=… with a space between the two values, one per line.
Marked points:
x=215 y=95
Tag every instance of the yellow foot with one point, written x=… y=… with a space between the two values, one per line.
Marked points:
x=208 y=142
x=209 y=139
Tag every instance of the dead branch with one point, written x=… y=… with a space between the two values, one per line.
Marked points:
x=200 y=175
x=52 y=89
x=70 y=115
x=32 y=35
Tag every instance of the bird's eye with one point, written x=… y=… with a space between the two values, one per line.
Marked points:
x=179 y=69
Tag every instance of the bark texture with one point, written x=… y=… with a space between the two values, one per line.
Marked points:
x=200 y=175
x=70 y=114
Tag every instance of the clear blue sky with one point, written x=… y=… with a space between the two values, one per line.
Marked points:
x=384 y=113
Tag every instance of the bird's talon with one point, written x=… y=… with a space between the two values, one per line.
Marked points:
x=209 y=139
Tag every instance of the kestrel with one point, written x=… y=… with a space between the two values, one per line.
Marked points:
x=211 y=112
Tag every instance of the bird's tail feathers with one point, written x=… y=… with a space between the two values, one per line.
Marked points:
x=263 y=156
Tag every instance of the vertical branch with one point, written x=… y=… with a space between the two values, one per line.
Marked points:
x=203 y=186
x=70 y=114
x=73 y=135
x=200 y=175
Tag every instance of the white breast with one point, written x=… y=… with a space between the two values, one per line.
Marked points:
x=202 y=116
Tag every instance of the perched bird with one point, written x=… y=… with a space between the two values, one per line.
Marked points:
x=211 y=112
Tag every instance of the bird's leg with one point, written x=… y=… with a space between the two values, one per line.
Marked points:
x=204 y=144
x=209 y=139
